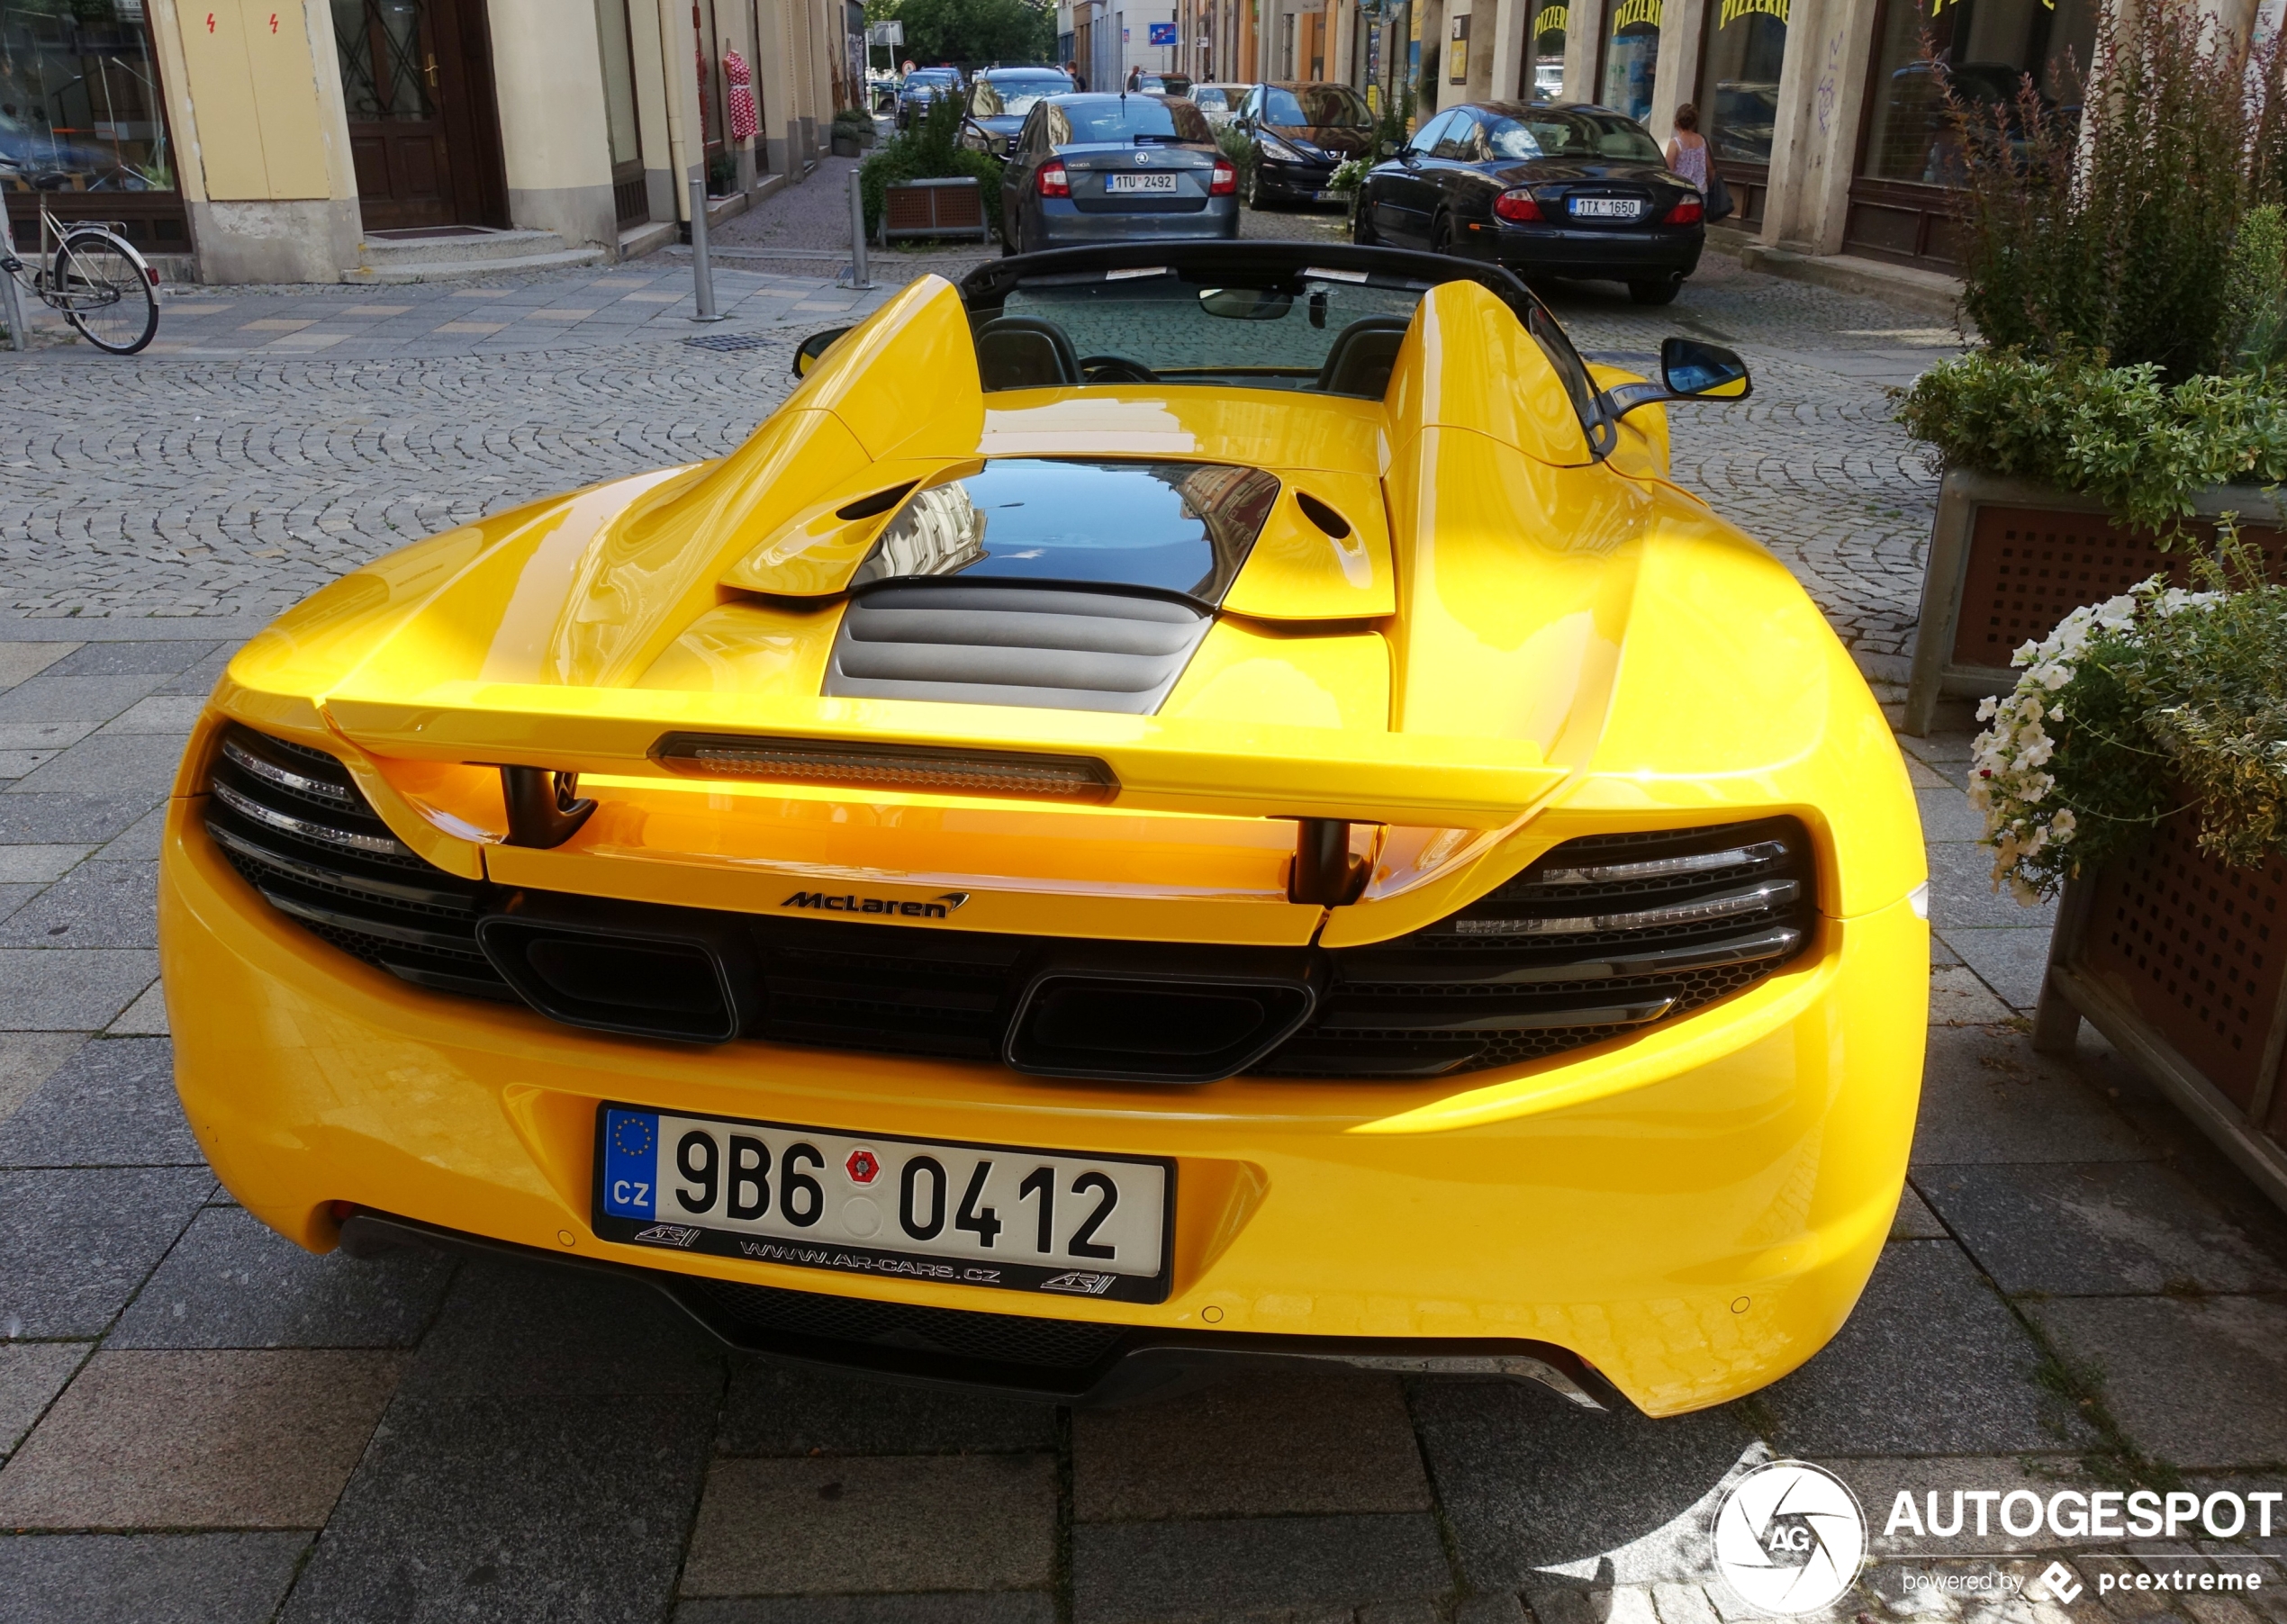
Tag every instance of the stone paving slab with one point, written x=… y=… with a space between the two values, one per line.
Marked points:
x=779 y=1409
x=822 y=1526
x=187 y=1440
x=233 y=1282
x=2183 y=1374
x=1964 y=1382
x=81 y=1241
x=515 y=1511
x=31 y=1375
x=1316 y=1444
x=1129 y=1573
x=1987 y=1098
x=1005 y=1607
x=2087 y=1229
x=112 y=1103
x=148 y=1579
x=506 y=1331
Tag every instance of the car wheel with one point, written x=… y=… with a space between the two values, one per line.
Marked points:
x=1441 y=235
x=1361 y=225
x=1662 y=291
x=1254 y=199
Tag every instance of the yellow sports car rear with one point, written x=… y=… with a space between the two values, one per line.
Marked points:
x=1171 y=804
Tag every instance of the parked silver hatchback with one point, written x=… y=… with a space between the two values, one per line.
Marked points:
x=1116 y=168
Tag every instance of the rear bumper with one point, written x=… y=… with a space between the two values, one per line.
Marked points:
x=1096 y=1365
x=1063 y=225
x=1630 y=255
x=1692 y=1213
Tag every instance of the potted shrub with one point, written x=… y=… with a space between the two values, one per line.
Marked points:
x=853 y=132
x=2125 y=278
x=924 y=183
x=2139 y=768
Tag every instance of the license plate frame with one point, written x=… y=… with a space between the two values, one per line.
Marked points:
x=673 y=1230
x=1605 y=208
x=1142 y=184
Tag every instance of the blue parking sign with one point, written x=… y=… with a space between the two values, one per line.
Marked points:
x=1163 y=34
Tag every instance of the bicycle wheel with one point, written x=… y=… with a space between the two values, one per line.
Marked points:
x=105 y=290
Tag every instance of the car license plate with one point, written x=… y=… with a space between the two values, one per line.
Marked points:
x=906 y=1209
x=1607 y=208
x=1139 y=183
x=1328 y=197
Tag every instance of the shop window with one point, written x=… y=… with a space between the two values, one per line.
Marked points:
x=1903 y=205
x=1738 y=77
x=1544 y=61
x=1630 y=57
x=1989 y=45
x=82 y=120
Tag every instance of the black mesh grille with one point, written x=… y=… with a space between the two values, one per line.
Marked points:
x=369 y=894
x=1435 y=1001
x=1489 y=985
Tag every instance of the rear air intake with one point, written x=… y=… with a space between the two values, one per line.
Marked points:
x=1119 y=1014
x=647 y=973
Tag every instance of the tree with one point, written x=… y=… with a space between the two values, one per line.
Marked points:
x=974 y=32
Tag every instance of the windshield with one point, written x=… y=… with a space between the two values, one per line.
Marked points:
x=1567 y=134
x=1321 y=106
x=1326 y=332
x=921 y=77
x=1208 y=97
x=1013 y=98
x=1119 y=119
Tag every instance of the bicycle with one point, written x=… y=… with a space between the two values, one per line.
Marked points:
x=95 y=277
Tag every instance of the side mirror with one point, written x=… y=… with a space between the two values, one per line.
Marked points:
x=1705 y=372
x=1689 y=370
x=809 y=350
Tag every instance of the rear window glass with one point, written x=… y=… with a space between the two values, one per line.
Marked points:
x=1569 y=134
x=1011 y=98
x=1124 y=119
x=1177 y=527
x=1321 y=106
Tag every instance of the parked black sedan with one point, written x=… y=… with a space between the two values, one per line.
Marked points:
x=922 y=86
x=1296 y=135
x=1555 y=191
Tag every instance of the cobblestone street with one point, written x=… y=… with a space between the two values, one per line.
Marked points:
x=202 y=1424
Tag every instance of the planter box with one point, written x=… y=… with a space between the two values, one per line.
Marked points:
x=933 y=208
x=2178 y=960
x=2009 y=558
x=846 y=142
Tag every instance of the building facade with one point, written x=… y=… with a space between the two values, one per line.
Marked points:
x=1824 y=115
x=275 y=140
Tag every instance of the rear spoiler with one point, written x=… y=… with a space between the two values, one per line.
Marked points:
x=1168 y=764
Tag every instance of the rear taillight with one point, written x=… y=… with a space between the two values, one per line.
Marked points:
x=1226 y=182
x=1053 y=181
x=1688 y=213
x=1516 y=205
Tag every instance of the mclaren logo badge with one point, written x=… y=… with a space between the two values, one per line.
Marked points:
x=937 y=908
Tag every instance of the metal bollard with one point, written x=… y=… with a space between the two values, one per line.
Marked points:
x=701 y=274
x=858 y=277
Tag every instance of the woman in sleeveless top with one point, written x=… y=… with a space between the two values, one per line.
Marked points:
x=1688 y=149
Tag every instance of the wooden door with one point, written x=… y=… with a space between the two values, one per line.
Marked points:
x=417 y=78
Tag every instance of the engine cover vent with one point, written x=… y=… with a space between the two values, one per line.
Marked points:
x=1057 y=647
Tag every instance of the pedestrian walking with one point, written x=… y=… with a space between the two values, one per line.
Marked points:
x=1080 y=80
x=1688 y=149
x=1135 y=79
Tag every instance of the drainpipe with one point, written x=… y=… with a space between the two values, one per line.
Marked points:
x=678 y=55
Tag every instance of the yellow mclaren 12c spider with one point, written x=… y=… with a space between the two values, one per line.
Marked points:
x=1173 y=804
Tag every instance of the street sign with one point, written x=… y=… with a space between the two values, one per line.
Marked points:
x=1163 y=34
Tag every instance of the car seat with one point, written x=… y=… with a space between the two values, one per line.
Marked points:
x=1024 y=352
x=1362 y=356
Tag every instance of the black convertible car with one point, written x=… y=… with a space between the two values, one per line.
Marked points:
x=1546 y=191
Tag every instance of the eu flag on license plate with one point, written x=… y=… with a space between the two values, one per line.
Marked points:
x=631 y=1163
